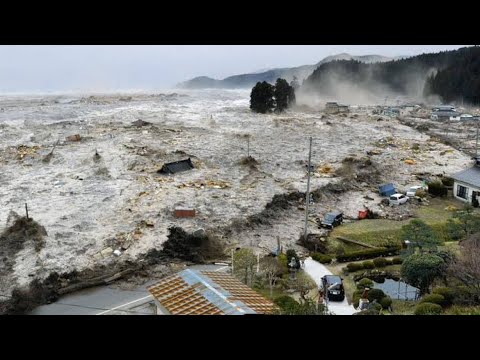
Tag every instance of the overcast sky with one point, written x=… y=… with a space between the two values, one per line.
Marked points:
x=135 y=67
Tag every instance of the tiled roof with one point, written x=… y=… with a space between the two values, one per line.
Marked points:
x=469 y=176
x=193 y=292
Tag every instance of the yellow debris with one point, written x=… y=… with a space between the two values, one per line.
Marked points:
x=451 y=208
x=326 y=169
x=410 y=162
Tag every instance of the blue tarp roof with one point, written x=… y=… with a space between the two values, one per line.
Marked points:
x=387 y=189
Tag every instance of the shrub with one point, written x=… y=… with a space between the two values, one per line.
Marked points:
x=357 y=295
x=375 y=294
x=322 y=258
x=285 y=303
x=380 y=262
x=421 y=193
x=397 y=260
x=447 y=181
x=428 y=309
x=447 y=293
x=388 y=262
x=368 y=264
x=437 y=188
x=368 y=254
x=354 y=267
x=434 y=299
x=377 y=306
x=386 y=302
x=365 y=282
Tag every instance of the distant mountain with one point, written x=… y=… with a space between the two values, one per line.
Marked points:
x=249 y=80
x=450 y=74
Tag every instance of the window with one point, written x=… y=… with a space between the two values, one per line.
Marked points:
x=462 y=191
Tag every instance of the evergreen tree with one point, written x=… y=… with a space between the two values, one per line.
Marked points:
x=261 y=98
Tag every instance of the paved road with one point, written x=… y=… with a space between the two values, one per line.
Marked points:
x=316 y=271
x=108 y=300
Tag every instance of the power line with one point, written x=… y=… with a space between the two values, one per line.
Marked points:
x=80 y=306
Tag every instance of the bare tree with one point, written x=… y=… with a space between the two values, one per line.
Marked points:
x=272 y=269
x=466 y=267
x=244 y=262
x=303 y=284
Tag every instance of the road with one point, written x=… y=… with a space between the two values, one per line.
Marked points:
x=316 y=271
x=109 y=300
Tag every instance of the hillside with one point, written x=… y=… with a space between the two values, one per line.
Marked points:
x=449 y=75
x=249 y=80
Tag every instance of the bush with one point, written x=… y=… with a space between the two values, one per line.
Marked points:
x=375 y=294
x=285 y=303
x=434 y=299
x=368 y=254
x=357 y=295
x=377 y=306
x=447 y=181
x=437 y=188
x=322 y=258
x=368 y=265
x=354 y=267
x=380 y=262
x=386 y=302
x=447 y=293
x=397 y=260
x=421 y=193
x=428 y=309
x=388 y=262
x=365 y=282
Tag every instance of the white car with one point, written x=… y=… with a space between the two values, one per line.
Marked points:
x=413 y=190
x=397 y=199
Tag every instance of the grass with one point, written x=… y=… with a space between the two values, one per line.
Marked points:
x=377 y=232
x=462 y=310
x=402 y=307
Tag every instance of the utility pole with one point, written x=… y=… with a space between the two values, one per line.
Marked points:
x=248 y=146
x=26 y=209
x=476 y=143
x=307 y=199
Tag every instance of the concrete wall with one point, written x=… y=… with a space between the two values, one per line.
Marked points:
x=470 y=190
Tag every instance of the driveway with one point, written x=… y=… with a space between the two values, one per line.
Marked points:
x=316 y=271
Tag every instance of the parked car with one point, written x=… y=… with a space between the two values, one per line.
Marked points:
x=332 y=219
x=397 y=199
x=413 y=190
x=333 y=287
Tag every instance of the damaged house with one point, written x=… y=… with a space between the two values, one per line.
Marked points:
x=335 y=108
x=195 y=292
x=176 y=167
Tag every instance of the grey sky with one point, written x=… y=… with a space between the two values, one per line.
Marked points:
x=108 y=67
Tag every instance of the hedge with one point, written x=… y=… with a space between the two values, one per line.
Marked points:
x=397 y=260
x=322 y=258
x=365 y=282
x=447 y=293
x=354 y=267
x=437 y=188
x=386 y=302
x=434 y=299
x=375 y=294
x=380 y=262
x=428 y=309
x=368 y=265
x=368 y=254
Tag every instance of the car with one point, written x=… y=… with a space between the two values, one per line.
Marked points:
x=333 y=287
x=397 y=199
x=412 y=192
x=332 y=219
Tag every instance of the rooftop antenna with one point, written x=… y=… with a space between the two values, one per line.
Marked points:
x=307 y=198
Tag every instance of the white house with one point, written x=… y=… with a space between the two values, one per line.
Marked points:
x=466 y=186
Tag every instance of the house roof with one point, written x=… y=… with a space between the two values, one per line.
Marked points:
x=469 y=176
x=446 y=113
x=194 y=292
x=177 y=166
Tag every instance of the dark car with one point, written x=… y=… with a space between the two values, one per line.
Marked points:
x=333 y=287
x=332 y=219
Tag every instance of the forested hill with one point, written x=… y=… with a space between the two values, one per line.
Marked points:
x=450 y=74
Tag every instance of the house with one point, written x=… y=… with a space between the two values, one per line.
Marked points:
x=445 y=115
x=466 y=185
x=391 y=111
x=177 y=166
x=195 y=292
x=387 y=189
x=444 y=108
x=335 y=108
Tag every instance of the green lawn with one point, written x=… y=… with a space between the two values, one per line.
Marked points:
x=380 y=231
